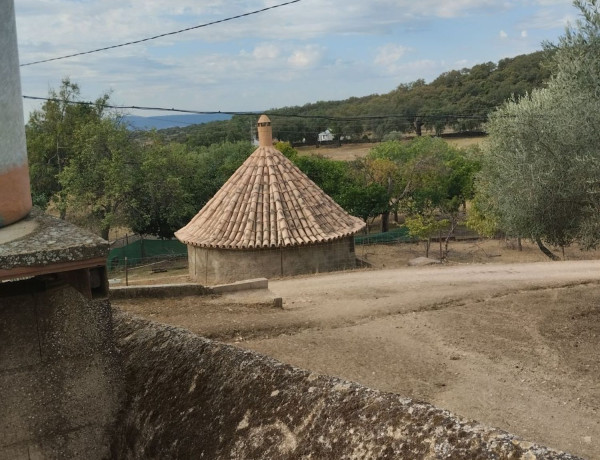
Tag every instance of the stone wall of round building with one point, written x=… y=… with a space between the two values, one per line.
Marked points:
x=217 y=266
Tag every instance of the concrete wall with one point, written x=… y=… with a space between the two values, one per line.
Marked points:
x=60 y=382
x=213 y=266
x=189 y=397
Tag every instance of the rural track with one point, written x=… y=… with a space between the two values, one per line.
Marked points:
x=349 y=296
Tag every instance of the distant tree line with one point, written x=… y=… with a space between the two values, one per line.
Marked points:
x=459 y=100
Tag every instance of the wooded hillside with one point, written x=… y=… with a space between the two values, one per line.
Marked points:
x=459 y=100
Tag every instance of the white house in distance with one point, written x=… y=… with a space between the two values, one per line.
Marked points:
x=326 y=136
x=268 y=220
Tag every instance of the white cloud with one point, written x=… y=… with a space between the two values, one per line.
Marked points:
x=389 y=54
x=524 y=33
x=454 y=8
x=96 y=23
x=547 y=18
x=307 y=56
x=552 y=2
x=411 y=70
x=266 y=51
x=503 y=34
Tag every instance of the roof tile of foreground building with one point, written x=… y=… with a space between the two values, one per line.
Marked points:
x=268 y=202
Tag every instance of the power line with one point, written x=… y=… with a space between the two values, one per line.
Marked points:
x=136 y=107
x=162 y=35
x=425 y=115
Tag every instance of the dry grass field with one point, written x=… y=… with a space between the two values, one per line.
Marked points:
x=349 y=152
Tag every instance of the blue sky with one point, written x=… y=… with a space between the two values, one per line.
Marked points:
x=305 y=52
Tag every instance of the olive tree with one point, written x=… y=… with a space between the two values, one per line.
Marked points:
x=541 y=167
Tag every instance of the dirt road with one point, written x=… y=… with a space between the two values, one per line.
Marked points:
x=512 y=345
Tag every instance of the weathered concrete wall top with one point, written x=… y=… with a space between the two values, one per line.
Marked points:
x=189 y=397
x=53 y=241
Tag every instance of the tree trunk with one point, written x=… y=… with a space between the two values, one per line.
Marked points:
x=385 y=222
x=104 y=231
x=418 y=125
x=453 y=225
x=427 y=244
x=519 y=244
x=545 y=250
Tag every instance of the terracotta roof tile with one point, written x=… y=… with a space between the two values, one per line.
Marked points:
x=268 y=202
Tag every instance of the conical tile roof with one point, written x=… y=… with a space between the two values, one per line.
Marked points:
x=268 y=202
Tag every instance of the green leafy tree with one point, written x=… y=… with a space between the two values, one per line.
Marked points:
x=166 y=190
x=542 y=164
x=422 y=175
x=330 y=175
x=288 y=151
x=173 y=182
x=51 y=141
x=366 y=202
x=425 y=227
x=217 y=163
x=98 y=179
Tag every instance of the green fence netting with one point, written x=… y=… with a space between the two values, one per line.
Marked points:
x=141 y=250
x=397 y=235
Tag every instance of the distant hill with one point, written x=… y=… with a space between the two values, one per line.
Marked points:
x=172 y=121
x=456 y=101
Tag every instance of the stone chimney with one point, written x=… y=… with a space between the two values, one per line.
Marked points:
x=15 y=194
x=265 y=133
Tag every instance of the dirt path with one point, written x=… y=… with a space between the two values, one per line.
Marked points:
x=513 y=345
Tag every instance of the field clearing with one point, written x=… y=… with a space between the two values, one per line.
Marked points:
x=349 y=152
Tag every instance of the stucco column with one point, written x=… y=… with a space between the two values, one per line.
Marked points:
x=15 y=195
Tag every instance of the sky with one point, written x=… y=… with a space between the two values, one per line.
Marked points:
x=309 y=51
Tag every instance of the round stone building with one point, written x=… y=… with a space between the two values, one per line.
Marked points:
x=268 y=220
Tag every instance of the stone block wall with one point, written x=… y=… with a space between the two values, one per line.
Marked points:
x=215 y=266
x=189 y=397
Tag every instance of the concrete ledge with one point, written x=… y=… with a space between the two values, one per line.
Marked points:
x=159 y=290
x=244 y=285
x=48 y=245
x=184 y=289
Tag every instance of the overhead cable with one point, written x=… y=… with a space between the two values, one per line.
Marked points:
x=162 y=35
x=270 y=113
